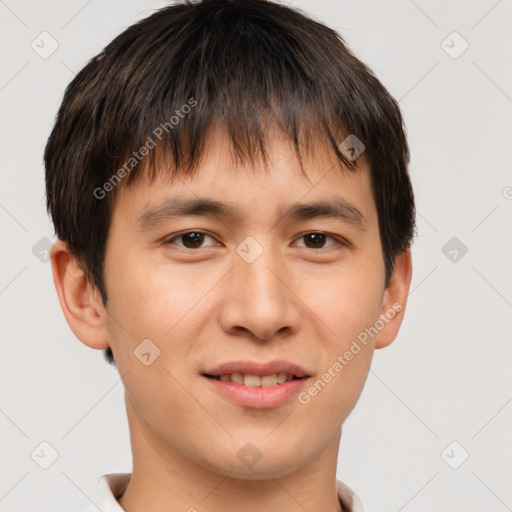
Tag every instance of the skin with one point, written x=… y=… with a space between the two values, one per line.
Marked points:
x=298 y=302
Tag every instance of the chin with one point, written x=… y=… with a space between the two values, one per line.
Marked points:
x=261 y=471
x=250 y=463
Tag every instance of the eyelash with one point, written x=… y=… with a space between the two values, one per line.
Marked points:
x=338 y=241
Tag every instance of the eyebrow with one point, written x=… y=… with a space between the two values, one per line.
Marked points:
x=338 y=208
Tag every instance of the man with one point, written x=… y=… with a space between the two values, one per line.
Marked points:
x=229 y=188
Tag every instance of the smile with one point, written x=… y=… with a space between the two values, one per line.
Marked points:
x=252 y=381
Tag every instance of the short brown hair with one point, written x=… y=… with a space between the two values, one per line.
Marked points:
x=245 y=63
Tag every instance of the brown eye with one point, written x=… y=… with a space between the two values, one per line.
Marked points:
x=317 y=240
x=189 y=240
x=192 y=240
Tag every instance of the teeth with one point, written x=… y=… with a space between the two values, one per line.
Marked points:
x=252 y=381
x=269 y=380
x=281 y=377
x=238 y=378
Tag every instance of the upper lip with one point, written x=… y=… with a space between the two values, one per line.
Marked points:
x=256 y=368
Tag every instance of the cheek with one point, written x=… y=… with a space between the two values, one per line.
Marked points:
x=347 y=302
x=168 y=308
x=335 y=390
x=151 y=298
x=150 y=304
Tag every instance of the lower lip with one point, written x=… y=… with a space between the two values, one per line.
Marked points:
x=258 y=397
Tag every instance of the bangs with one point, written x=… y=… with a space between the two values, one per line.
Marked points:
x=208 y=72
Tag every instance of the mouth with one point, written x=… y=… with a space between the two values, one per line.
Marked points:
x=257 y=385
x=252 y=381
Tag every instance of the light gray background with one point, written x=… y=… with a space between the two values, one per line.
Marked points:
x=447 y=376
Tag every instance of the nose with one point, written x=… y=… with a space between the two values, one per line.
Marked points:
x=260 y=300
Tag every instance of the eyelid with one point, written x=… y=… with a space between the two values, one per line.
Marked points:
x=169 y=240
x=340 y=241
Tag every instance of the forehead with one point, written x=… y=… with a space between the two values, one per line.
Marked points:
x=254 y=187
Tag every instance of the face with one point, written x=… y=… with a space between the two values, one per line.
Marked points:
x=263 y=289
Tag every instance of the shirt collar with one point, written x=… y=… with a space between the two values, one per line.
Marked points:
x=112 y=486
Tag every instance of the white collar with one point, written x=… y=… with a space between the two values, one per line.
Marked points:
x=112 y=486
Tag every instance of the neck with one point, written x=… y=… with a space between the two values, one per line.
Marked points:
x=164 y=480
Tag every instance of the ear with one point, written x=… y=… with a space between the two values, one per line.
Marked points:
x=394 y=300
x=80 y=301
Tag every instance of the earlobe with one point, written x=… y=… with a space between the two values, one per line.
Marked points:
x=395 y=299
x=79 y=299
